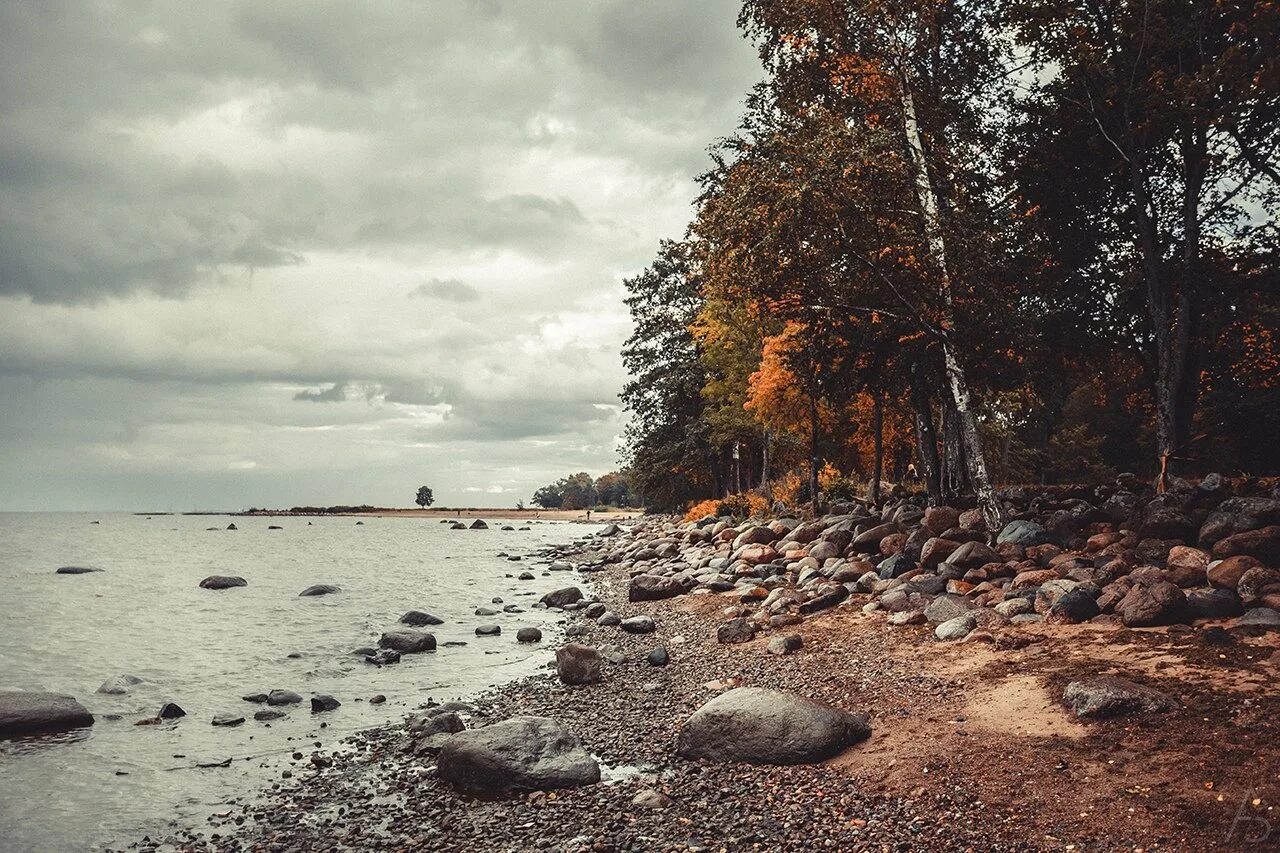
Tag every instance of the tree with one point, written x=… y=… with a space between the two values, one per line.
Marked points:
x=425 y=498
x=668 y=451
x=1180 y=103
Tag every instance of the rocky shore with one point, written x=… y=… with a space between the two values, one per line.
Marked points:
x=1098 y=674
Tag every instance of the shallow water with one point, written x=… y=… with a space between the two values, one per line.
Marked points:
x=146 y=616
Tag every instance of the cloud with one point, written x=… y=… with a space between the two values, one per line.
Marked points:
x=210 y=211
x=335 y=393
x=450 y=290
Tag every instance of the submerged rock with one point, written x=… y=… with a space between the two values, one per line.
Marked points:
x=419 y=619
x=222 y=582
x=30 y=712
x=761 y=726
x=119 y=685
x=76 y=570
x=522 y=753
x=322 y=702
x=283 y=697
x=408 y=642
x=320 y=589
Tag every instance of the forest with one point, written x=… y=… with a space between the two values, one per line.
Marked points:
x=971 y=243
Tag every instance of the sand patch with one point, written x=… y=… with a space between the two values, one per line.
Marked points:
x=1021 y=706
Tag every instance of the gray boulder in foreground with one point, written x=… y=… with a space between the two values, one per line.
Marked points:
x=522 y=754
x=761 y=726
x=1110 y=696
x=26 y=713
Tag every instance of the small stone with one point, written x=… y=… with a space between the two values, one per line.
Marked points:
x=786 y=645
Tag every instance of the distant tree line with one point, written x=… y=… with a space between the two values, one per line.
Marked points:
x=974 y=241
x=580 y=491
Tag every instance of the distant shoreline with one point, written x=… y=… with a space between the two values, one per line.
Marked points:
x=458 y=512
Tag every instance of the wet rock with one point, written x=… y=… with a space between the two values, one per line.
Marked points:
x=30 y=712
x=786 y=644
x=528 y=635
x=479 y=524
x=283 y=697
x=488 y=630
x=222 y=582
x=638 y=625
x=522 y=753
x=578 y=664
x=486 y=611
x=320 y=589
x=1110 y=696
x=266 y=715
x=119 y=685
x=761 y=726
x=561 y=597
x=735 y=631
x=170 y=711
x=377 y=699
x=76 y=570
x=228 y=720
x=420 y=619
x=322 y=702
x=383 y=657
x=407 y=642
x=256 y=698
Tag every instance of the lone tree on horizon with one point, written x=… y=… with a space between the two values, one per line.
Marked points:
x=424 y=498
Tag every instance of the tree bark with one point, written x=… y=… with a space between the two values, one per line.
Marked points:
x=765 y=486
x=878 y=439
x=953 y=479
x=956 y=378
x=926 y=436
x=813 y=447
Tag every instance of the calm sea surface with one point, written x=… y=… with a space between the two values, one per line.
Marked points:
x=145 y=616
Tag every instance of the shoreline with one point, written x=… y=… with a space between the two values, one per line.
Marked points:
x=953 y=725
x=470 y=513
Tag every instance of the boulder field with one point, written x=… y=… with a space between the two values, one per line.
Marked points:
x=1116 y=554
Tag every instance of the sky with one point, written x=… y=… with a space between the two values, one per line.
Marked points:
x=270 y=253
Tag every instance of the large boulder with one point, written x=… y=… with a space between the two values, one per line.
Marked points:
x=947 y=607
x=653 y=588
x=1148 y=604
x=1110 y=696
x=408 y=642
x=561 y=597
x=761 y=726
x=578 y=664
x=1262 y=544
x=1024 y=533
x=973 y=555
x=523 y=754
x=222 y=582
x=27 y=713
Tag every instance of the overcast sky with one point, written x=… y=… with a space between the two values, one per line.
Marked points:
x=270 y=253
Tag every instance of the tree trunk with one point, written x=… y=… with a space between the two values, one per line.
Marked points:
x=926 y=436
x=813 y=448
x=956 y=378
x=878 y=439
x=765 y=486
x=953 y=479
